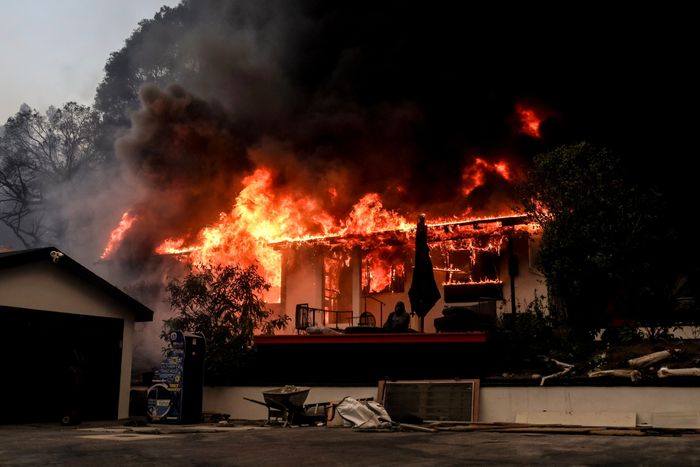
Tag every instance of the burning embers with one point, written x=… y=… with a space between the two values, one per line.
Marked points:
x=474 y=176
x=529 y=120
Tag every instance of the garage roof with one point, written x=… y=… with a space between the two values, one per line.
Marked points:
x=66 y=263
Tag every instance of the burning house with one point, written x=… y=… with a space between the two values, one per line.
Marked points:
x=324 y=203
x=347 y=272
x=483 y=268
x=353 y=271
x=321 y=240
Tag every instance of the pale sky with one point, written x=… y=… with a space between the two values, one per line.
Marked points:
x=54 y=51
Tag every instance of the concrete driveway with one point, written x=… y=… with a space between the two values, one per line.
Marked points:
x=243 y=445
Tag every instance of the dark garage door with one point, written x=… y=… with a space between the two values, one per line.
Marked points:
x=54 y=364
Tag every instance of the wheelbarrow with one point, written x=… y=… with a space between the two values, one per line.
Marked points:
x=287 y=403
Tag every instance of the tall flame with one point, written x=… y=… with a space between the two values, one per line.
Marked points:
x=258 y=218
x=117 y=234
x=261 y=217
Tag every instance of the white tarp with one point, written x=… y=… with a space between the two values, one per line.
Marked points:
x=363 y=414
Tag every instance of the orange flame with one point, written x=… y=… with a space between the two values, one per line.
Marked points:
x=173 y=247
x=257 y=218
x=529 y=121
x=474 y=176
x=368 y=215
x=382 y=272
x=378 y=276
x=260 y=218
x=117 y=234
x=479 y=282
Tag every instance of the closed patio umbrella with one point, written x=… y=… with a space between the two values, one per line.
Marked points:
x=424 y=292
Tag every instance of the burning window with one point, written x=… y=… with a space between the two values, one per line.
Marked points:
x=384 y=270
x=472 y=271
x=470 y=261
x=337 y=281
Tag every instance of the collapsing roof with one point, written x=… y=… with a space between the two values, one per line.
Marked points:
x=437 y=232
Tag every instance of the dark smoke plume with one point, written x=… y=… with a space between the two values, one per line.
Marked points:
x=185 y=151
x=345 y=95
x=389 y=97
x=394 y=97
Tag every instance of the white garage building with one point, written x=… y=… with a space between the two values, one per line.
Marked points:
x=65 y=340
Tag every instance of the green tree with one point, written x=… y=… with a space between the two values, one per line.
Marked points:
x=223 y=304
x=152 y=54
x=40 y=154
x=602 y=249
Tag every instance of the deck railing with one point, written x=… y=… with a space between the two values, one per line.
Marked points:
x=307 y=316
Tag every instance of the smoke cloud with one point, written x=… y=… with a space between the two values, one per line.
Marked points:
x=187 y=155
x=343 y=98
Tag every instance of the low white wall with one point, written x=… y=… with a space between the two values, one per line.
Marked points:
x=502 y=404
x=671 y=407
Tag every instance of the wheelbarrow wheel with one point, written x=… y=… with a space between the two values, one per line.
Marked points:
x=71 y=418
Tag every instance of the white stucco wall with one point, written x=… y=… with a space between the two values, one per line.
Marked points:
x=653 y=406
x=42 y=286
x=529 y=281
x=669 y=407
x=302 y=282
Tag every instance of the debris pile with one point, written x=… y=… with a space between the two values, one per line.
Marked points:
x=635 y=363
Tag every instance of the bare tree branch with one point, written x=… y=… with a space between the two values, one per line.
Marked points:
x=38 y=153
